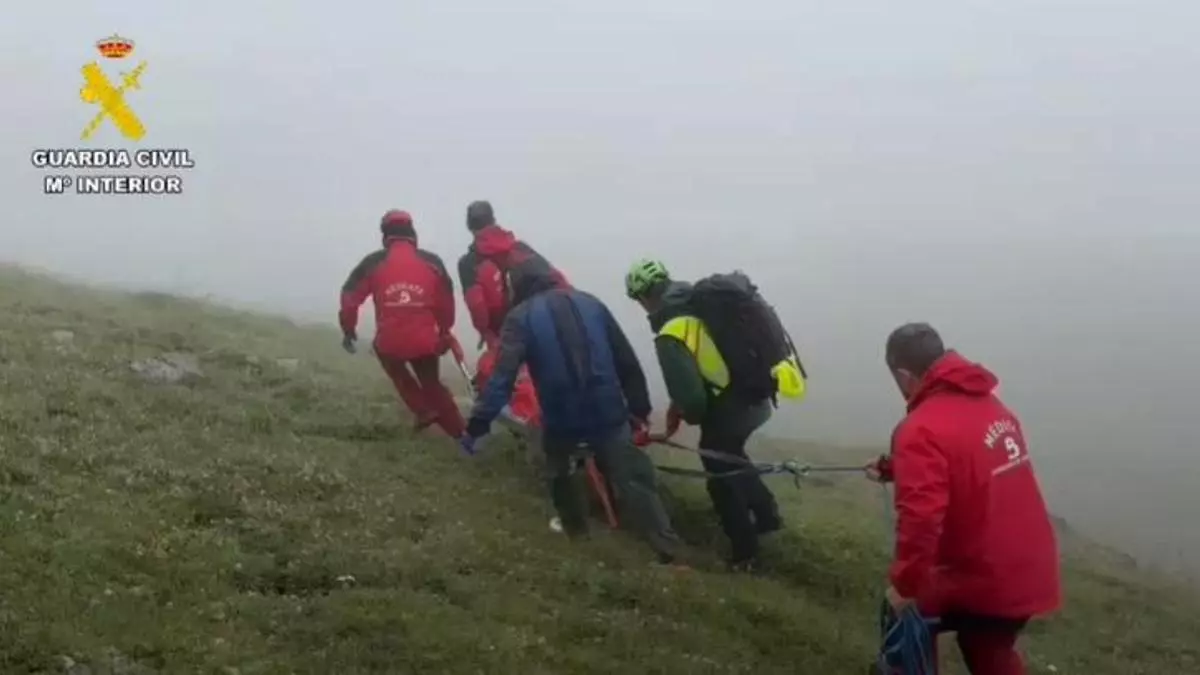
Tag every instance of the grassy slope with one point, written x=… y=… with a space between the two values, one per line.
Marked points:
x=211 y=528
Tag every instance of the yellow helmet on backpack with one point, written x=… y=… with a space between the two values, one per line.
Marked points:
x=790 y=378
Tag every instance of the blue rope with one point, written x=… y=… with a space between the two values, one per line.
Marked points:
x=907 y=647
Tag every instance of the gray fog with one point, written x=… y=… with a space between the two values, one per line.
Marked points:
x=1023 y=174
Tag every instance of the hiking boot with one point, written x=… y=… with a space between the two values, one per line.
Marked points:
x=875 y=669
x=574 y=532
x=423 y=423
x=768 y=526
x=672 y=563
x=747 y=566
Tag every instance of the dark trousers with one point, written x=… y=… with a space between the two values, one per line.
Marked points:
x=634 y=485
x=744 y=504
x=988 y=644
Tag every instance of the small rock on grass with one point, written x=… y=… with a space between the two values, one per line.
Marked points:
x=169 y=368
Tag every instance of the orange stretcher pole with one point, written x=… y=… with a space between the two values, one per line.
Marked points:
x=601 y=489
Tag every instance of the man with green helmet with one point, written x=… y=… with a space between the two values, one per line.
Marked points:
x=700 y=382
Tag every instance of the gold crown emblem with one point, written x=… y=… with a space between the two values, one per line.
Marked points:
x=114 y=47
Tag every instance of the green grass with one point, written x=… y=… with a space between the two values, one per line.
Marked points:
x=263 y=519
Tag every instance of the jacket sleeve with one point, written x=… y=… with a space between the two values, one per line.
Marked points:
x=629 y=369
x=355 y=292
x=482 y=296
x=494 y=292
x=467 y=274
x=884 y=464
x=921 y=475
x=466 y=270
x=681 y=374
x=444 y=304
x=499 y=385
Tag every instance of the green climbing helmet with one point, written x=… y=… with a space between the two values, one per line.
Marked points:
x=644 y=275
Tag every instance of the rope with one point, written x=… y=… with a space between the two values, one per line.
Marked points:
x=748 y=466
x=907 y=642
x=760 y=469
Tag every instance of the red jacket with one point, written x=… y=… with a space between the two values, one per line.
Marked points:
x=523 y=403
x=973 y=533
x=413 y=297
x=482 y=272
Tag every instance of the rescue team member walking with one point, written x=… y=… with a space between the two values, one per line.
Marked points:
x=700 y=382
x=592 y=391
x=974 y=541
x=414 y=313
x=482 y=270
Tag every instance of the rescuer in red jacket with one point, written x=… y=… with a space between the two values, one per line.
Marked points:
x=974 y=541
x=414 y=313
x=483 y=270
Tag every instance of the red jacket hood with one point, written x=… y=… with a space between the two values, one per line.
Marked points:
x=494 y=240
x=953 y=373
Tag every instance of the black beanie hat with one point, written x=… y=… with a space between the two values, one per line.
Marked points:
x=480 y=215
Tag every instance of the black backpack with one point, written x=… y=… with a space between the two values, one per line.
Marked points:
x=746 y=331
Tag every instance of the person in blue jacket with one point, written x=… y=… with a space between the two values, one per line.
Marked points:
x=593 y=393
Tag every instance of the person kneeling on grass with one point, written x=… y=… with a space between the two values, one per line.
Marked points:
x=975 y=546
x=592 y=391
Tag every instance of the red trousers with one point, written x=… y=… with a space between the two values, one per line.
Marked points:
x=988 y=644
x=524 y=402
x=420 y=387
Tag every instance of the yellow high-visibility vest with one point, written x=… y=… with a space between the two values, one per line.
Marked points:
x=691 y=332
